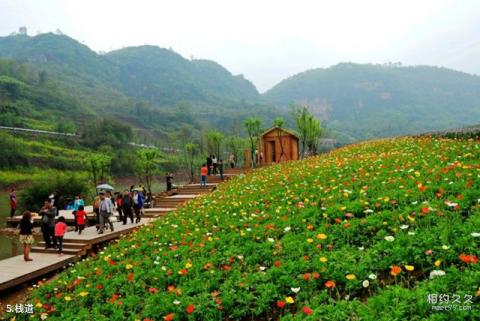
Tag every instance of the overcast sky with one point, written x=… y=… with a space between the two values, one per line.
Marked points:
x=268 y=40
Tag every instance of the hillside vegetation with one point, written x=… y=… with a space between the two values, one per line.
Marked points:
x=366 y=101
x=365 y=232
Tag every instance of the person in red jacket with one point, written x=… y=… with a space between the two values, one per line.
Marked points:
x=60 y=230
x=80 y=218
x=203 y=175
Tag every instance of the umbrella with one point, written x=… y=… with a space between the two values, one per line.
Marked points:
x=105 y=187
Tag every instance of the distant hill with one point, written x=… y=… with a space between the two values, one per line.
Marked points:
x=149 y=87
x=366 y=101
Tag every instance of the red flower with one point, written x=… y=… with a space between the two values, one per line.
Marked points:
x=99 y=287
x=330 y=284
x=469 y=259
x=169 y=317
x=306 y=276
x=316 y=275
x=112 y=262
x=278 y=263
x=190 y=309
x=130 y=277
x=153 y=290
x=114 y=298
x=307 y=310
x=425 y=210
x=227 y=268
x=280 y=304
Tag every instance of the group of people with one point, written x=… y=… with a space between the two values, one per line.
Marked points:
x=214 y=167
x=127 y=204
x=53 y=232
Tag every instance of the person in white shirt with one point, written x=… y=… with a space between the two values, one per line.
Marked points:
x=106 y=209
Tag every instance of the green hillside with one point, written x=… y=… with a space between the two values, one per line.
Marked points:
x=366 y=232
x=365 y=101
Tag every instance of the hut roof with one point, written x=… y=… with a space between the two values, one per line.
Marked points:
x=288 y=131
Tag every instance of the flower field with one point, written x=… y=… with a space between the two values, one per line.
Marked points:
x=372 y=231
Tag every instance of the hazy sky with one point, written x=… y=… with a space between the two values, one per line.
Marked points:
x=268 y=40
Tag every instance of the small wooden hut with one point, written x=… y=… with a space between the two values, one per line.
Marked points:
x=275 y=145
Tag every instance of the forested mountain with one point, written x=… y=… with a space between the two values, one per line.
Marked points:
x=153 y=89
x=365 y=101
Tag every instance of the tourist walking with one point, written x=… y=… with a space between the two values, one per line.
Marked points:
x=203 y=176
x=137 y=204
x=13 y=202
x=231 y=160
x=48 y=213
x=78 y=201
x=214 y=165
x=169 y=179
x=105 y=210
x=60 y=230
x=119 y=202
x=220 y=168
x=55 y=200
x=209 y=165
x=80 y=218
x=26 y=237
x=127 y=207
x=96 y=210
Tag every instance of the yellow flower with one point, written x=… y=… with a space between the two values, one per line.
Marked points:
x=321 y=236
x=188 y=265
x=350 y=277
x=309 y=240
x=437 y=263
x=289 y=300
x=68 y=298
x=409 y=267
x=38 y=305
x=323 y=259
x=128 y=266
x=84 y=293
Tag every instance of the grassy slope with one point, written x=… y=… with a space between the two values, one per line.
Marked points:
x=235 y=253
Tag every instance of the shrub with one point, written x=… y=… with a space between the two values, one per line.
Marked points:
x=67 y=184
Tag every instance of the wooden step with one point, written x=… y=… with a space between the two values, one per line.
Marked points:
x=41 y=249
x=68 y=245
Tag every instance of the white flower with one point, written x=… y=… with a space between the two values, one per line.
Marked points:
x=404 y=227
x=287 y=229
x=240 y=257
x=176 y=302
x=372 y=277
x=262 y=268
x=414 y=203
x=295 y=290
x=411 y=233
x=164 y=268
x=436 y=273
x=365 y=283
x=475 y=234
x=445 y=247
x=271 y=239
x=361 y=248
x=389 y=238
x=369 y=211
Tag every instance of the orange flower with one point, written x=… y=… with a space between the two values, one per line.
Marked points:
x=169 y=317
x=395 y=270
x=330 y=284
x=469 y=259
x=280 y=304
x=307 y=310
x=130 y=277
x=425 y=210
x=190 y=309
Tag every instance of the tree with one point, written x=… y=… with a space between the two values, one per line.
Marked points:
x=236 y=146
x=147 y=165
x=214 y=142
x=278 y=123
x=309 y=129
x=98 y=166
x=191 y=153
x=254 y=129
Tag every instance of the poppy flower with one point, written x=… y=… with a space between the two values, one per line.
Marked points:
x=190 y=309
x=153 y=290
x=289 y=300
x=469 y=259
x=330 y=284
x=280 y=304
x=307 y=310
x=425 y=210
x=306 y=276
x=130 y=277
x=395 y=270
x=350 y=277
x=169 y=317
x=409 y=268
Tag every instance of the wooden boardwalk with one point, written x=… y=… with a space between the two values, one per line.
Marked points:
x=15 y=271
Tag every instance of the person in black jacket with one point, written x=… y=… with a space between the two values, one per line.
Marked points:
x=26 y=237
x=209 y=164
x=127 y=207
